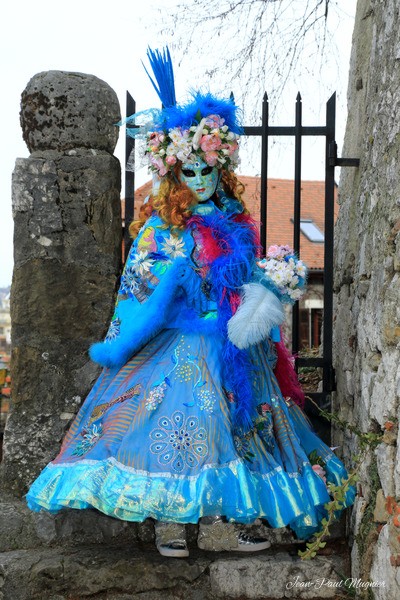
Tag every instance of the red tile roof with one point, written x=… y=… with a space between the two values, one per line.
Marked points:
x=279 y=212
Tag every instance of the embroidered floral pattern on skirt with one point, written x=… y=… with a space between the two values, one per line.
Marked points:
x=158 y=450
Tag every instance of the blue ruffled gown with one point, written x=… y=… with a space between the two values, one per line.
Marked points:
x=158 y=435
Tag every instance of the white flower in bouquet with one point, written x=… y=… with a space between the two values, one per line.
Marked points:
x=284 y=272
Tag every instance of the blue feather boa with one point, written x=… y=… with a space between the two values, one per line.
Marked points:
x=227 y=274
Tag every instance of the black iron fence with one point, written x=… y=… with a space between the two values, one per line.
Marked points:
x=297 y=131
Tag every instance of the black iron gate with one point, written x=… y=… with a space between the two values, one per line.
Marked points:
x=297 y=131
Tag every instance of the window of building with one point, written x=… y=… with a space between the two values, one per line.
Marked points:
x=311 y=231
x=311 y=323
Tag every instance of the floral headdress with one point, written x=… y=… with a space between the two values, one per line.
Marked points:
x=205 y=127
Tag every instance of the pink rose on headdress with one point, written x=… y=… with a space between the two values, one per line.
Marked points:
x=214 y=121
x=319 y=471
x=210 y=142
x=170 y=160
x=156 y=138
x=231 y=147
x=159 y=165
x=211 y=158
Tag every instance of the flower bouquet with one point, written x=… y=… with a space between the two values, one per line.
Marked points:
x=280 y=280
x=283 y=273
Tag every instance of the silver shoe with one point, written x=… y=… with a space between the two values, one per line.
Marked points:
x=171 y=539
x=248 y=543
x=174 y=549
x=217 y=536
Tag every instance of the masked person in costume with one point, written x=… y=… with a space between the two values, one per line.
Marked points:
x=196 y=413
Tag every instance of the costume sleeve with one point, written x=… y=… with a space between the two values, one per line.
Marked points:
x=155 y=270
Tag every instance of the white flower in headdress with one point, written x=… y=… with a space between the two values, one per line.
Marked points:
x=171 y=150
x=174 y=135
x=183 y=154
x=198 y=135
x=177 y=135
x=173 y=246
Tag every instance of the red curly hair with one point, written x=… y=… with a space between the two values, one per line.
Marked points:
x=175 y=198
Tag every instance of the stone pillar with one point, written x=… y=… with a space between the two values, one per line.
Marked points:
x=67 y=252
x=367 y=287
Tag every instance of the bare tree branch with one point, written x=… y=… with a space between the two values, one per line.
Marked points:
x=253 y=45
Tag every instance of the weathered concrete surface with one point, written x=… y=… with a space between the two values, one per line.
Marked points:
x=367 y=280
x=276 y=576
x=126 y=572
x=67 y=248
x=63 y=110
x=50 y=555
x=86 y=572
x=21 y=528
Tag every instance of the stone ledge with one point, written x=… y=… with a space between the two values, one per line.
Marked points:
x=21 y=528
x=119 y=573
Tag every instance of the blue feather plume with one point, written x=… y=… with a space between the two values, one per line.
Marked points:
x=164 y=84
x=199 y=105
x=202 y=105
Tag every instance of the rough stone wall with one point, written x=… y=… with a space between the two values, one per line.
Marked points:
x=367 y=323
x=67 y=248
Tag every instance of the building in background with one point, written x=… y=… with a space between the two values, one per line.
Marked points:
x=5 y=320
x=280 y=231
x=5 y=349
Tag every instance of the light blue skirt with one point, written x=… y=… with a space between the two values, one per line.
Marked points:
x=155 y=439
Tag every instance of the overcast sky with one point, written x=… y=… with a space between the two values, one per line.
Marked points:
x=108 y=39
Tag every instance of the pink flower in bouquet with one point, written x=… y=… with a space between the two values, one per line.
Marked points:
x=319 y=471
x=273 y=251
x=214 y=121
x=211 y=158
x=170 y=160
x=210 y=143
x=279 y=252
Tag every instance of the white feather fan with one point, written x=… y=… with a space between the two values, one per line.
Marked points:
x=259 y=311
